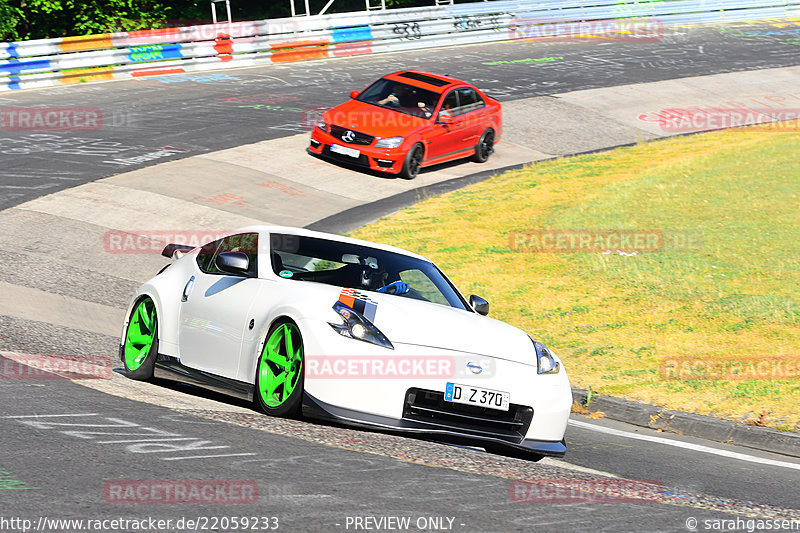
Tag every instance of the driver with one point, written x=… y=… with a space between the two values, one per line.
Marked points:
x=396 y=287
x=401 y=96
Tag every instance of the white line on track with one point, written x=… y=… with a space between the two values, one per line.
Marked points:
x=686 y=445
x=205 y=456
x=48 y=416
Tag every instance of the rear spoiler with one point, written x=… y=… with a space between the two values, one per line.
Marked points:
x=175 y=251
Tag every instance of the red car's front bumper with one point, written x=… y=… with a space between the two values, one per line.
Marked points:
x=386 y=160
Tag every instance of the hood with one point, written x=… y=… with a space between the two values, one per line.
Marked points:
x=408 y=321
x=372 y=119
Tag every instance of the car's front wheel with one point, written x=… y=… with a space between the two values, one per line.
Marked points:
x=140 y=350
x=485 y=147
x=279 y=376
x=413 y=162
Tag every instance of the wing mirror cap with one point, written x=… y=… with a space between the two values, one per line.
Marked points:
x=236 y=263
x=480 y=305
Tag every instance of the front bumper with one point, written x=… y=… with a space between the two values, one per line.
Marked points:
x=384 y=160
x=315 y=408
x=537 y=422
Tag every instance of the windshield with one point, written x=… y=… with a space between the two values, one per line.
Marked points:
x=400 y=97
x=361 y=267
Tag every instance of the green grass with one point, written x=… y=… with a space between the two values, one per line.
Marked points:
x=725 y=284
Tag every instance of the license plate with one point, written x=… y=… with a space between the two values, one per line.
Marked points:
x=351 y=152
x=467 y=394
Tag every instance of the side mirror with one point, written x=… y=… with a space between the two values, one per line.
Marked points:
x=236 y=263
x=480 y=305
x=445 y=119
x=354 y=94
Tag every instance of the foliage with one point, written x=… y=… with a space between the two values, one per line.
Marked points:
x=40 y=19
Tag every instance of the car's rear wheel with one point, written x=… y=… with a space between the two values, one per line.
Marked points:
x=413 y=162
x=485 y=147
x=140 y=350
x=279 y=375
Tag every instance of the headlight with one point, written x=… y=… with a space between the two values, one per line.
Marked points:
x=545 y=361
x=357 y=327
x=389 y=142
x=321 y=125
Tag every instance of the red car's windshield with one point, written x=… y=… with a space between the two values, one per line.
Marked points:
x=400 y=97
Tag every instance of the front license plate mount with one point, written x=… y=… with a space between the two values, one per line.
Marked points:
x=479 y=396
x=350 y=152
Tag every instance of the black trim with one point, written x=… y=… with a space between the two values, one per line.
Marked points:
x=359 y=138
x=170 y=368
x=361 y=161
x=170 y=249
x=428 y=408
x=448 y=154
x=314 y=408
x=425 y=78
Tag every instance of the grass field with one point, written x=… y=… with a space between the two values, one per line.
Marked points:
x=721 y=291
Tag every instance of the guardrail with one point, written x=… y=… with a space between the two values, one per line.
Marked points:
x=47 y=62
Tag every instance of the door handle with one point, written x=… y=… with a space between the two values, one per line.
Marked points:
x=187 y=289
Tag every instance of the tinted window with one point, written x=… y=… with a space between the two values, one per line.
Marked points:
x=206 y=254
x=361 y=267
x=244 y=242
x=450 y=103
x=469 y=100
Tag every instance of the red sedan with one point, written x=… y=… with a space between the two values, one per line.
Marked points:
x=409 y=120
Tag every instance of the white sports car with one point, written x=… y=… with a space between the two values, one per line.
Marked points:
x=365 y=334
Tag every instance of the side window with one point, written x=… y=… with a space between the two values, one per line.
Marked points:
x=206 y=254
x=422 y=287
x=469 y=100
x=450 y=104
x=244 y=242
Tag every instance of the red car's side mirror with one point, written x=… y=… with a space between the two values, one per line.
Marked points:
x=354 y=94
x=445 y=119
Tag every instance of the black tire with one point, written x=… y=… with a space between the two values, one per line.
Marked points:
x=413 y=162
x=136 y=325
x=281 y=406
x=485 y=147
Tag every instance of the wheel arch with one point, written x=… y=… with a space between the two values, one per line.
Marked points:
x=141 y=294
x=249 y=361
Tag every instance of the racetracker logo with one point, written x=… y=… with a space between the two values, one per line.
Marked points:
x=730 y=368
x=50 y=119
x=599 y=490
x=704 y=118
x=605 y=241
x=641 y=30
x=181 y=492
x=153 y=241
x=397 y=367
x=22 y=366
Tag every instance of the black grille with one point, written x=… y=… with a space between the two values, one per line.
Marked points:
x=430 y=408
x=359 y=138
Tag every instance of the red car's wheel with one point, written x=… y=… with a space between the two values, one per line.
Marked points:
x=413 y=162
x=485 y=147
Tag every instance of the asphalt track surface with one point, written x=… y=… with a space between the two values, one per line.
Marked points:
x=61 y=471
x=169 y=117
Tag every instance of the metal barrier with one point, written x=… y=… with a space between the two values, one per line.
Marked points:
x=47 y=62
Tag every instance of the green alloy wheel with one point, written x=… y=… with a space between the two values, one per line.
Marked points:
x=141 y=341
x=279 y=376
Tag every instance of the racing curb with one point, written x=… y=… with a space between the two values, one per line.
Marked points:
x=704 y=427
